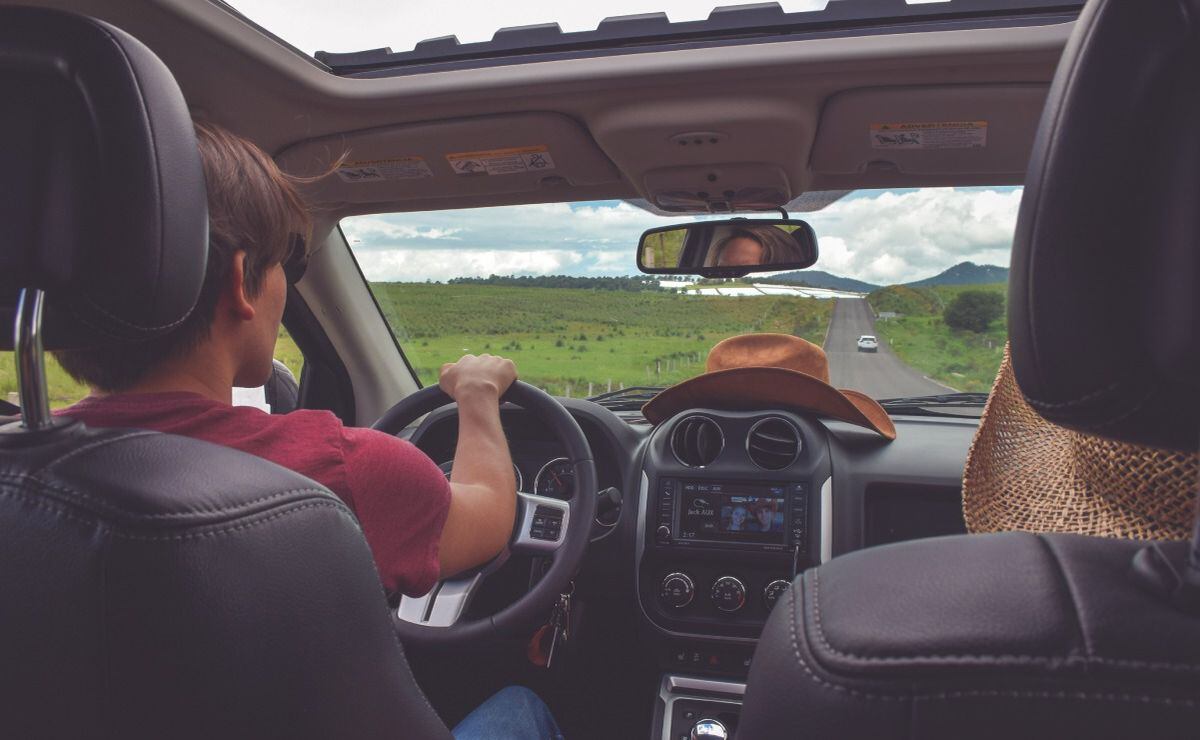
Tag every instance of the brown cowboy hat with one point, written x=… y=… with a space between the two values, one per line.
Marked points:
x=769 y=371
x=1024 y=473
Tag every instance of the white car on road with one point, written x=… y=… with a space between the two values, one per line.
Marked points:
x=868 y=343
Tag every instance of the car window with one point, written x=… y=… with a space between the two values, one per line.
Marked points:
x=555 y=287
x=64 y=391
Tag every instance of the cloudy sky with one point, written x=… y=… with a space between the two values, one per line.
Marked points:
x=880 y=237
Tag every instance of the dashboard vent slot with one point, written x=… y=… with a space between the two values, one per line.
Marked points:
x=696 y=441
x=773 y=443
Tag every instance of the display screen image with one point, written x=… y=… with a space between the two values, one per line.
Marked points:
x=724 y=515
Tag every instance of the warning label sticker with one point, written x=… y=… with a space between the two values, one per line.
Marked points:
x=941 y=135
x=502 y=161
x=377 y=170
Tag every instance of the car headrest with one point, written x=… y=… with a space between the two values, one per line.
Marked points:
x=104 y=206
x=1104 y=295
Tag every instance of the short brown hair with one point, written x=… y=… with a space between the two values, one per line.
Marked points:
x=252 y=206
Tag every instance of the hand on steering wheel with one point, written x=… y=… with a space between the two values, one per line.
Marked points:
x=436 y=618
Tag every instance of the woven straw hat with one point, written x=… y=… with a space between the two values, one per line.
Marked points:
x=1025 y=473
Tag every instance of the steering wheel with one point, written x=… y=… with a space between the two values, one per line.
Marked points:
x=436 y=618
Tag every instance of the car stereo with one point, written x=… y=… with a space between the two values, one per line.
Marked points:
x=744 y=514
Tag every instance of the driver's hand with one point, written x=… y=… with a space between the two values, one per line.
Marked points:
x=477 y=375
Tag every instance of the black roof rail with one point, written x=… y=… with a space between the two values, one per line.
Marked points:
x=723 y=22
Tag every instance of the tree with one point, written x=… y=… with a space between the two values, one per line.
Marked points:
x=974 y=310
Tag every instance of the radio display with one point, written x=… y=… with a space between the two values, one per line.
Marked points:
x=733 y=512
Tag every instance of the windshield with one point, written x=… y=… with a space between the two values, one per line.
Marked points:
x=555 y=287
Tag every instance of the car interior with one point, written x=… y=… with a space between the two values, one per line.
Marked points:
x=158 y=586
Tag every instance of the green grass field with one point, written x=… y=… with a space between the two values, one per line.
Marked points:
x=564 y=340
x=569 y=340
x=960 y=359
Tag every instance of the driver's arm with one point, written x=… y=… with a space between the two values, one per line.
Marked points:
x=483 y=490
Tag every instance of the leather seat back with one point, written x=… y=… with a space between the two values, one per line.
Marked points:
x=158 y=586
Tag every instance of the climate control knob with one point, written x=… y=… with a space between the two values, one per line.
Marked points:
x=772 y=591
x=728 y=594
x=676 y=591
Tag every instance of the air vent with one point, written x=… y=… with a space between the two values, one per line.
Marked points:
x=773 y=443
x=696 y=441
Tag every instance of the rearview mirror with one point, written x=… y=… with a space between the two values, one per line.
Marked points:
x=732 y=248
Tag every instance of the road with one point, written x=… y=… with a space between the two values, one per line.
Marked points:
x=881 y=374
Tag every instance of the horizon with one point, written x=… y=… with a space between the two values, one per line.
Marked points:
x=755 y=277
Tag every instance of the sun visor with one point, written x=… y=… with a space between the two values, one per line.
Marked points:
x=953 y=134
x=484 y=156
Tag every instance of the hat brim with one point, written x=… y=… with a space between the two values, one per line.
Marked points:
x=769 y=387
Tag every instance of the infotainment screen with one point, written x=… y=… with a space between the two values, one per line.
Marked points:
x=733 y=512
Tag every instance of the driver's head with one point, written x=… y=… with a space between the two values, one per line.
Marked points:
x=750 y=245
x=257 y=220
x=740 y=251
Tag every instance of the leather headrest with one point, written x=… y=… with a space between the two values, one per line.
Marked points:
x=104 y=205
x=1104 y=297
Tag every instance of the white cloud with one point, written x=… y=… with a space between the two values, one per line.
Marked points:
x=891 y=237
x=443 y=264
x=357 y=25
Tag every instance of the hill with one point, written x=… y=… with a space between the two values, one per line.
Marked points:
x=965 y=273
x=819 y=279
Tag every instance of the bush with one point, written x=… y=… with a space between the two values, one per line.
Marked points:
x=974 y=310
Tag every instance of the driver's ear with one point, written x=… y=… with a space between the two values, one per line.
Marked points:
x=234 y=289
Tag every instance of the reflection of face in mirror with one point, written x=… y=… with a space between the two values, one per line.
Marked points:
x=739 y=251
x=748 y=245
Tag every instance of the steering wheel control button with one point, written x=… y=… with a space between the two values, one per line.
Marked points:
x=708 y=729
x=772 y=591
x=547 y=524
x=677 y=591
x=728 y=594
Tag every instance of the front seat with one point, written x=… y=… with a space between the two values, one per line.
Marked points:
x=153 y=586
x=1017 y=635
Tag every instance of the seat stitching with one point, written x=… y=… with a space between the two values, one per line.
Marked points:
x=966 y=657
x=94 y=444
x=107 y=506
x=974 y=693
x=65 y=512
x=1062 y=572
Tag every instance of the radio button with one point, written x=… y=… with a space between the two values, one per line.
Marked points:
x=728 y=594
x=773 y=591
x=663 y=534
x=676 y=591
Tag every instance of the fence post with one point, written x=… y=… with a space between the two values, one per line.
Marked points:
x=590 y=394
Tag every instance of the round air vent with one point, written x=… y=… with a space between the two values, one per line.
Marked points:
x=696 y=441
x=773 y=443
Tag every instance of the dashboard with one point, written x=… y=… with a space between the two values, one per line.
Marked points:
x=719 y=510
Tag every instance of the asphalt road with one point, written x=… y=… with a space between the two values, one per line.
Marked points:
x=880 y=374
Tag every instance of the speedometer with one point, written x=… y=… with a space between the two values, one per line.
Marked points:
x=448 y=466
x=556 y=479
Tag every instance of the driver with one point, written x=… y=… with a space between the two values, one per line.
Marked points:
x=420 y=527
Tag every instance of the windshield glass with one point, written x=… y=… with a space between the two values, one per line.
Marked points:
x=555 y=287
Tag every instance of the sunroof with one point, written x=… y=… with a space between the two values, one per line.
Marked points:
x=387 y=36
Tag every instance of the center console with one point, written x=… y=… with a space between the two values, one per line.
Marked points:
x=733 y=505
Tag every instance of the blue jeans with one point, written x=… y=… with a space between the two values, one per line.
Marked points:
x=513 y=713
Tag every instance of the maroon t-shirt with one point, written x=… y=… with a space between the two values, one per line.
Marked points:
x=400 y=496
